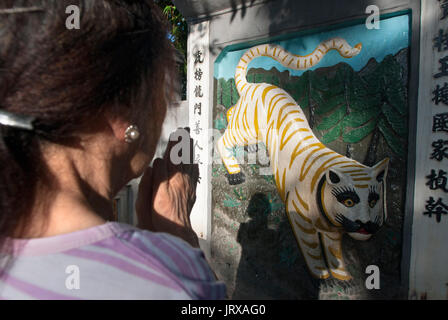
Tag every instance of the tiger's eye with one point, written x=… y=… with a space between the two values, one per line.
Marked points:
x=372 y=203
x=349 y=203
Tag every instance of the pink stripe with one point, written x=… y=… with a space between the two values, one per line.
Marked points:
x=145 y=258
x=128 y=253
x=143 y=247
x=200 y=290
x=207 y=291
x=33 y=290
x=62 y=242
x=122 y=265
x=175 y=256
x=190 y=257
x=199 y=258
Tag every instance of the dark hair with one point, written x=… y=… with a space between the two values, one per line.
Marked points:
x=118 y=61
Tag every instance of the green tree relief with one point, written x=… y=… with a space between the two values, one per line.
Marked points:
x=358 y=104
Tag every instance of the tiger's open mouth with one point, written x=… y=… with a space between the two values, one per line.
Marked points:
x=363 y=231
x=358 y=226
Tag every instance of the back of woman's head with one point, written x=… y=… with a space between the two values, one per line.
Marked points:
x=117 y=61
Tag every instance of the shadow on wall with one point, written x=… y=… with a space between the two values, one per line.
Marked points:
x=241 y=6
x=261 y=262
x=236 y=7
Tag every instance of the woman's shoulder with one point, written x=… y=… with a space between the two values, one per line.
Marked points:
x=169 y=254
x=173 y=252
x=110 y=261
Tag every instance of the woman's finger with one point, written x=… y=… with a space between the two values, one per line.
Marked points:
x=176 y=139
x=145 y=181
x=160 y=174
x=171 y=143
x=192 y=155
x=187 y=165
x=195 y=173
x=143 y=203
x=191 y=146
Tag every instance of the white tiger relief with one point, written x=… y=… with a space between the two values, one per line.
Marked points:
x=325 y=193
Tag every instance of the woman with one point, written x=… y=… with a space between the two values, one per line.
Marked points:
x=81 y=112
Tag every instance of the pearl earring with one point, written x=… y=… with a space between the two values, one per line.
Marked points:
x=131 y=134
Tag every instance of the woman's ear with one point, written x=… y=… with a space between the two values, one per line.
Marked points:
x=117 y=126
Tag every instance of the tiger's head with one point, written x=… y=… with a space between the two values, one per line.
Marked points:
x=354 y=199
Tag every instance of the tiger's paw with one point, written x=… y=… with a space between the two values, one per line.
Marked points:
x=333 y=289
x=236 y=178
x=252 y=148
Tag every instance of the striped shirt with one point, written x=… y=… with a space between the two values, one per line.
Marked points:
x=110 y=261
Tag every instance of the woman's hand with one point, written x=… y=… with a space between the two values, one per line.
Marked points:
x=166 y=195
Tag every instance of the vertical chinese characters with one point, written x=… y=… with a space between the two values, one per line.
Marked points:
x=436 y=180
x=198 y=59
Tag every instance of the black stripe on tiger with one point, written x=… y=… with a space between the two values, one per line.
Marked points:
x=319 y=202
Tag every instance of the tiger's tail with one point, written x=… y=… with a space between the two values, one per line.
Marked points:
x=290 y=60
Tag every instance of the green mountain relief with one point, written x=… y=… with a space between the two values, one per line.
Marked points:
x=350 y=105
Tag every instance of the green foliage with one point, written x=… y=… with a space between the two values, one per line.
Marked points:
x=219 y=91
x=225 y=98
x=357 y=118
x=333 y=119
x=394 y=142
x=220 y=122
x=299 y=90
x=273 y=80
x=275 y=202
x=269 y=178
x=218 y=170
x=354 y=104
x=229 y=202
x=395 y=120
x=179 y=36
x=235 y=96
x=239 y=193
x=330 y=104
x=254 y=168
x=333 y=134
x=360 y=133
x=385 y=85
x=259 y=78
